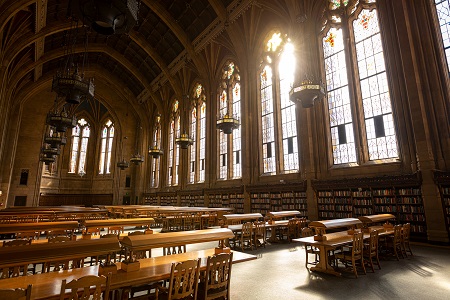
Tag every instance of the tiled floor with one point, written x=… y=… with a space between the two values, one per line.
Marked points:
x=280 y=273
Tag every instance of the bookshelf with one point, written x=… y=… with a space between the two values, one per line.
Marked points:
x=397 y=195
x=192 y=198
x=151 y=199
x=168 y=199
x=237 y=202
x=267 y=198
x=442 y=179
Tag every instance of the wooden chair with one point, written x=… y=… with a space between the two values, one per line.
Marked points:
x=353 y=254
x=115 y=230
x=20 y=270
x=56 y=233
x=87 y=287
x=59 y=239
x=183 y=282
x=28 y=235
x=216 y=283
x=393 y=243
x=309 y=249
x=406 y=232
x=16 y=294
x=153 y=285
x=259 y=234
x=245 y=237
x=371 y=250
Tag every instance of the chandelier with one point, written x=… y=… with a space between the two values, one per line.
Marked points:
x=107 y=17
x=60 y=120
x=123 y=164
x=307 y=92
x=227 y=124
x=184 y=141
x=137 y=159
x=155 y=152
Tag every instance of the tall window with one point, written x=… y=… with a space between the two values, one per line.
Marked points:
x=157 y=143
x=173 y=155
x=80 y=138
x=278 y=117
x=372 y=102
x=198 y=133
x=229 y=160
x=107 y=139
x=443 y=13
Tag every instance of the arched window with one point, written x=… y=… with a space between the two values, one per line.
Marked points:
x=156 y=161
x=106 y=144
x=371 y=104
x=443 y=14
x=229 y=105
x=278 y=117
x=197 y=125
x=78 y=151
x=174 y=149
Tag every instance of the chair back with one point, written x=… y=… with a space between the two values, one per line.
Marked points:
x=115 y=229
x=358 y=242
x=259 y=228
x=373 y=242
x=306 y=231
x=16 y=243
x=406 y=232
x=28 y=235
x=174 y=250
x=184 y=278
x=218 y=276
x=87 y=287
x=397 y=234
x=247 y=229
x=16 y=294
x=59 y=239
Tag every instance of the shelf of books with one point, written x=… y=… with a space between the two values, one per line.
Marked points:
x=281 y=197
x=192 y=198
x=168 y=199
x=362 y=202
x=151 y=199
x=366 y=196
x=237 y=202
x=442 y=179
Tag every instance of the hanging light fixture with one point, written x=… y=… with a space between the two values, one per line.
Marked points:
x=155 y=152
x=123 y=164
x=106 y=17
x=307 y=92
x=137 y=159
x=184 y=140
x=60 y=119
x=69 y=82
x=228 y=122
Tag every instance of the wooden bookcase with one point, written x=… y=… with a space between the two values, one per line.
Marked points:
x=227 y=197
x=151 y=199
x=397 y=195
x=442 y=179
x=278 y=197
x=192 y=198
x=168 y=199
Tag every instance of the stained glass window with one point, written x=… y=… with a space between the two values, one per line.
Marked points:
x=78 y=152
x=156 y=161
x=443 y=13
x=278 y=113
x=106 y=144
x=192 y=164
x=381 y=139
x=173 y=155
x=198 y=133
x=229 y=159
x=339 y=108
x=372 y=99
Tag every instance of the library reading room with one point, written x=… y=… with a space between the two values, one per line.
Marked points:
x=224 y=149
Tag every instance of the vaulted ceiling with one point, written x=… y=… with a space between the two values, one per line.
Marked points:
x=167 y=35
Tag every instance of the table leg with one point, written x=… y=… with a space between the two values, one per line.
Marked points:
x=323 y=264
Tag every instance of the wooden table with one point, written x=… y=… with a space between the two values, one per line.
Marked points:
x=38 y=227
x=48 y=285
x=333 y=240
x=241 y=217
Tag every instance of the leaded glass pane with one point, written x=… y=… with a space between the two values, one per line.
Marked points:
x=177 y=153
x=202 y=142
x=193 y=147
x=74 y=154
x=286 y=70
x=237 y=166
x=102 y=154
x=374 y=87
x=443 y=13
x=339 y=109
x=222 y=156
x=170 y=154
x=267 y=120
